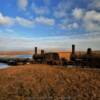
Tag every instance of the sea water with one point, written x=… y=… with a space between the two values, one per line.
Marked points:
x=24 y=56
x=3 y=65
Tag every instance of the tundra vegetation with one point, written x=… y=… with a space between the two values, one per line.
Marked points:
x=45 y=82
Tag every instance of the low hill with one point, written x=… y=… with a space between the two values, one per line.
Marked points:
x=44 y=82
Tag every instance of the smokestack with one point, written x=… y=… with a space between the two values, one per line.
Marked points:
x=35 y=50
x=73 y=49
x=89 y=51
x=73 y=56
x=42 y=52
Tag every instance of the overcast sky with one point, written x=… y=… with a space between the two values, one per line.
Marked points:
x=49 y=24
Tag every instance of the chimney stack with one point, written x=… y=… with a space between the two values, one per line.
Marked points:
x=35 y=50
x=42 y=52
x=89 y=51
x=73 y=56
x=73 y=49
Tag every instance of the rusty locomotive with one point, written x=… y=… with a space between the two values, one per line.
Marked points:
x=53 y=58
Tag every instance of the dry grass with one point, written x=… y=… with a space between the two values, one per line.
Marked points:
x=44 y=82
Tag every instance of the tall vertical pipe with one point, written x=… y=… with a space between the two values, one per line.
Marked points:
x=73 y=49
x=35 y=50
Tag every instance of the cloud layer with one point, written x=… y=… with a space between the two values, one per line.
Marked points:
x=76 y=19
x=44 y=20
x=5 y=20
x=48 y=43
x=91 y=19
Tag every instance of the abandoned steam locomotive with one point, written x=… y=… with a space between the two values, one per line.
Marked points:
x=52 y=58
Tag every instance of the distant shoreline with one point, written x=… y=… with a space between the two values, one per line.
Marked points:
x=15 y=52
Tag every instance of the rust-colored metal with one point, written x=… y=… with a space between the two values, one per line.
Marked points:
x=89 y=51
x=42 y=52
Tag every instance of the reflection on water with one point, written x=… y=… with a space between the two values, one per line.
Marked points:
x=24 y=56
x=3 y=65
